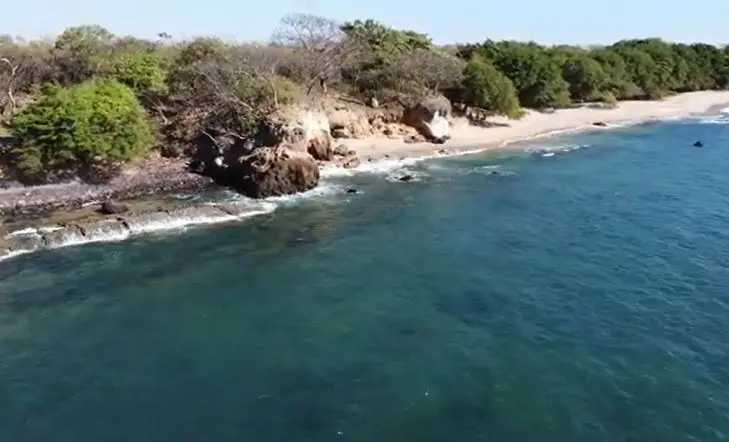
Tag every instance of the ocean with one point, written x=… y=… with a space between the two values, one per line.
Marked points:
x=573 y=288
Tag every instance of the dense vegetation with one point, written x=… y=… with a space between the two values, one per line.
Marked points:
x=91 y=99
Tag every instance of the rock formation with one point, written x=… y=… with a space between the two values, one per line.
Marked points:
x=432 y=118
x=319 y=146
x=273 y=171
x=90 y=227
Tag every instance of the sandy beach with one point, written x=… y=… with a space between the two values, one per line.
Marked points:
x=38 y=200
x=535 y=124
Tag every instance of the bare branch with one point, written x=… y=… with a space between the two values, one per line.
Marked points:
x=9 y=91
x=318 y=48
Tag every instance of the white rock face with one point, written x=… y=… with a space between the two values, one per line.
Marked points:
x=439 y=127
x=313 y=124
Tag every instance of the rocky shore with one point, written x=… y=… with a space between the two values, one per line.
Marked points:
x=154 y=176
x=296 y=144
x=285 y=158
x=89 y=224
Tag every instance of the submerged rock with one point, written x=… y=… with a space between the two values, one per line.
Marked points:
x=698 y=144
x=406 y=178
x=272 y=172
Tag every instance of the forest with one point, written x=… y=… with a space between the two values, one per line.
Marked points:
x=90 y=100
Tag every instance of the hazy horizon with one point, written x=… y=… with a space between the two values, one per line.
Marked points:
x=566 y=22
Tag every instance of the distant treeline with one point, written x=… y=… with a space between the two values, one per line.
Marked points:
x=90 y=101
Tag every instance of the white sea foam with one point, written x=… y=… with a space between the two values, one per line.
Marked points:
x=15 y=253
x=175 y=223
x=151 y=223
x=22 y=232
x=324 y=191
x=710 y=120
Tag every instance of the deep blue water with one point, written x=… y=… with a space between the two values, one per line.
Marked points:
x=577 y=297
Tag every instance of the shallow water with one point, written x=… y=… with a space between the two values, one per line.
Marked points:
x=581 y=296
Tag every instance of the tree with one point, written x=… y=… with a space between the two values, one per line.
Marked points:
x=319 y=46
x=87 y=129
x=484 y=86
x=422 y=72
x=144 y=72
x=82 y=52
x=378 y=51
x=642 y=70
x=20 y=69
x=618 y=82
x=536 y=76
x=585 y=76
x=384 y=42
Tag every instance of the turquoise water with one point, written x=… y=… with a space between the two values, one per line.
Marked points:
x=582 y=296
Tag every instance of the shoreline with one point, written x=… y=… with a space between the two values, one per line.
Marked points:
x=144 y=189
x=468 y=139
x=153 y=177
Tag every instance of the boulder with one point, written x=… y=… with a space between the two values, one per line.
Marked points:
x=112 y=208
x=273 y=171
x=341 y=132
x=342 y=151
x=293 y=127
x=320 y=146
x=432 y=118
x=351 y=163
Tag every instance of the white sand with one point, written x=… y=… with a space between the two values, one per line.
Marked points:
x=536 y=124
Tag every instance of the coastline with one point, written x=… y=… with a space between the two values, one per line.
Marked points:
x=54 y=216
x=467 y=138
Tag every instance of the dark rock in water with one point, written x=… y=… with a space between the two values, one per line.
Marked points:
x=273 y=172
x=698 y=144
x=599 y=124
x=112 y=208
x=351 y=190
x=406 y=178
x=351 y=163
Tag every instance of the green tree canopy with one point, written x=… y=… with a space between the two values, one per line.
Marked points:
x=486 y=87
x=82 y=129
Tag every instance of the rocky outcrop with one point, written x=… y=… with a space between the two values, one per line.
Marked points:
x=294 y=127
x=273 y=171
x=88 y=228
x=112 y=208
x=348 y=123
x=432 y=117
x=155 y=177
x=320 y=146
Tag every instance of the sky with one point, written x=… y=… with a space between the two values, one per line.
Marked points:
x=446 y=21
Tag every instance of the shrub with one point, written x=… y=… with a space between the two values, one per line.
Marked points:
x=484 y=86
x=83 y=129
x=144 y=72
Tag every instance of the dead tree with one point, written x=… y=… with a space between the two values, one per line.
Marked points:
x=319 y=47
x=9 y=99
